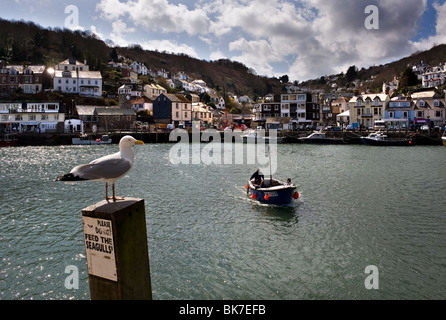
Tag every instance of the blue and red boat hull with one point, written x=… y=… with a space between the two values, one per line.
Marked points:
x=276 y=195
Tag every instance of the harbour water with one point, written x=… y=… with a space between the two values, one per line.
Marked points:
x=359 y=206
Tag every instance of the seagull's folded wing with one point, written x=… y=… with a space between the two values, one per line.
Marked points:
x=103 y=169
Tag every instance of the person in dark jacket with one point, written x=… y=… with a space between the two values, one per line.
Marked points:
x=258 y=178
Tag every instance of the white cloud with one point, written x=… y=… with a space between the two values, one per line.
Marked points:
x=313 y=37
x=440 y=35
x=170 y=47
x=217 y=55
x=156 y=15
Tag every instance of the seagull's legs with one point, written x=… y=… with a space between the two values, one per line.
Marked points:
x=114 y=198
x=114 y=195
x=106 y=192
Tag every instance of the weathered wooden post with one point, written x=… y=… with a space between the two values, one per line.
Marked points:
x=115 y=239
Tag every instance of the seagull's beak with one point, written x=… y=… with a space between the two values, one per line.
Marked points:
x=139 y=142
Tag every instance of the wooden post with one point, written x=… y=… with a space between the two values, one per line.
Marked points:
x=115 y=239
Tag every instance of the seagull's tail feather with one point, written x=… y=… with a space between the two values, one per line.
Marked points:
x=69 y=178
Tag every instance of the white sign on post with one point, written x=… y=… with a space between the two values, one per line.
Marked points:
x=99 y=246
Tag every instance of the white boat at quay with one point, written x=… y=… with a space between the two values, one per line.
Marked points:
x=86 y=140
x=253 y=136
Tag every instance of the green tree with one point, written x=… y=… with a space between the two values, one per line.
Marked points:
x=114 y=55
x=408 y=79
x=352 y=74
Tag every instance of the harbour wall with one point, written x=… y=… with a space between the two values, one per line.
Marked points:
x=56 y=139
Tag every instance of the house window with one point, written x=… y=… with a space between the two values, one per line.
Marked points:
x=177 y=114
x=177 y=106
x=185 y=115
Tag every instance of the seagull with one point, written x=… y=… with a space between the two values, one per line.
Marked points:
x=108 y=169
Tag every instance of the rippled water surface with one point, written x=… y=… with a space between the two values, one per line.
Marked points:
x=359 y=206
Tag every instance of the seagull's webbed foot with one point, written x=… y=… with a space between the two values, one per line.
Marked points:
x=114 y=198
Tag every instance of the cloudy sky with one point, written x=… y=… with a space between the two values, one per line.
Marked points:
x=304 y=39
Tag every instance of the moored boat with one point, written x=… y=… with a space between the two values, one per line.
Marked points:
x=380 y=139
x=255 y=137
x=443 y=138
x=85 y=140
x=319 y=137
x=273 y=192
x=8 y=141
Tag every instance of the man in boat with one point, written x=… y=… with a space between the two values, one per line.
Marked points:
x=258 y=178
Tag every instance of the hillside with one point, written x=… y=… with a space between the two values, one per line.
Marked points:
x=25 y=42
x=384 y=73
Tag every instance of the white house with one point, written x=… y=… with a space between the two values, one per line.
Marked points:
x=139 y=68
x=142 y=104
x=86 y=83
x=71 y=76
x=153 y=90
x=221 y=104
x=434 y=77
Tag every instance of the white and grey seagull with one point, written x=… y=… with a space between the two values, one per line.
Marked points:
x=108 y=169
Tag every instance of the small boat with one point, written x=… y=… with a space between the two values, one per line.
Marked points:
x=380 y=139
x=255 y=137
x=85 y=140
x=8 y=141
x=273 y=192
x=319 y=137
x=443 y=138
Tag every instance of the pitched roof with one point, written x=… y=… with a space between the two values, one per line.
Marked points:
x=80 y=75
x=85 y=110
x=113 y=111
x=176 y=97
x=380 y=96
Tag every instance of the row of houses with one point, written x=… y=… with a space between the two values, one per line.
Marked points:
x=431 y=76
x=29 y=79
x=40 y=117
x=424 y=108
